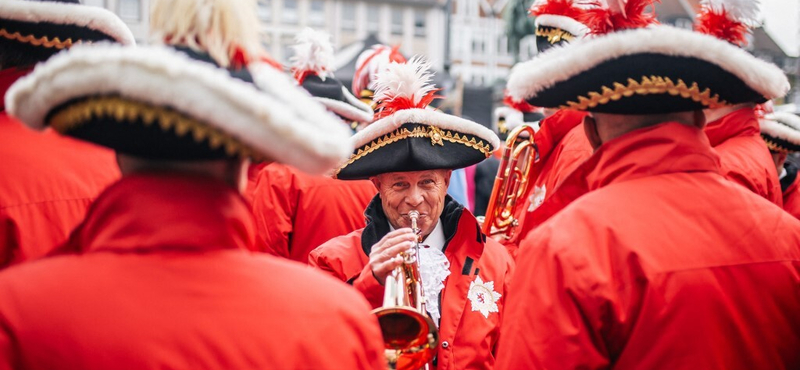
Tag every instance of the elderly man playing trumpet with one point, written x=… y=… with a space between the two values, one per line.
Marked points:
x=409 y=154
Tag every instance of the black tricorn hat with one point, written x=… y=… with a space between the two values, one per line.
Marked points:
x=411 y=137
x=48 y=27
x=557 y=23
x=659 y=69
x=159 y=103
x=781 y=132
x=338 y=99
x=312 y=68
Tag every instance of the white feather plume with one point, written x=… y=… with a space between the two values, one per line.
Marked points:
x=313 y=52
x=743 y=11
x=410 y=80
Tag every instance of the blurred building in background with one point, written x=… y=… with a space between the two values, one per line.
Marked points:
x=486 y=36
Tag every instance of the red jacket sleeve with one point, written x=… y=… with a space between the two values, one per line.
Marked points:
x=274 y=206
x=343 y=259
x=553 y=318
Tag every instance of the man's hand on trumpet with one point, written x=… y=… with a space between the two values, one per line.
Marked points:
x=385 y=255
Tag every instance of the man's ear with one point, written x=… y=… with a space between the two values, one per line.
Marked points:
x=590 y=128
x=376 y=182
x=699 y=119
x=447 y=175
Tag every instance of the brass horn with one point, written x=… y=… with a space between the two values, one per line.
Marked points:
x=410 y=337
x=511 y=183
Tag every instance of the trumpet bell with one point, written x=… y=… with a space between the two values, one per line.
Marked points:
x=403 y=327
x=410 y=337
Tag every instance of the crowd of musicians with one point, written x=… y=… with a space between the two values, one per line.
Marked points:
x=189 y=204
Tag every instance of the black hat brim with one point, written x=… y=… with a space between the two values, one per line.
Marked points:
x=57 y=25
x=417 y=140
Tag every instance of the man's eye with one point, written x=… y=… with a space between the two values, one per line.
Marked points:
x=398 y=185
x=427 y=182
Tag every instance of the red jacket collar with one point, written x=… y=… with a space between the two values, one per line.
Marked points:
x=7 y=78
x=554 y=128
x=742 y=122
x=150 y=212
x=665 y=148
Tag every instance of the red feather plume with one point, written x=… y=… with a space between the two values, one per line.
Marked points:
x=720 y=25
x=603 y=20
x=389 y=107
x=566 y=8
x=404 y=86
x=521 y=105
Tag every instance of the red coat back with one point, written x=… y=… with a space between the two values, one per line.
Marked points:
x=656 y=261
x=745 y=158
x=164 y=280
x=47 y=183
x=296 y=212
x=468 y=335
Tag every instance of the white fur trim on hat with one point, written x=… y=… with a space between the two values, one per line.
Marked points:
x=91 y=17
x=784 y=126
x=353 y=109
x=529 y=78
x=389 y=124
x=568 y=24
x=300 y=133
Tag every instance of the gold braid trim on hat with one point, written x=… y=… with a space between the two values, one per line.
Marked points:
x=168 y=120
x=651 y=85
x=437 y=136
x=774 y=146
x=38 y=41
x=554 y=35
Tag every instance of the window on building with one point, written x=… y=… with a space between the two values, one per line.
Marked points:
x=289 y=15
x=349 y=16
x=502 y=45
x=373 y=18
x=419 y=23
x=478 y=46
x=265 y=10
x=397 y=21
x=129 y=9
x=287 y=48
x=316 y=15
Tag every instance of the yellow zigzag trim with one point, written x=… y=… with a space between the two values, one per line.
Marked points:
x=168 y=120
x=651 y=85
x=437 y=136
x=774 y=146
x=555 y=35
x=38 y=41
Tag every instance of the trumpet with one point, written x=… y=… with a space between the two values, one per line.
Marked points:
x=511 y=183
x=410 y=337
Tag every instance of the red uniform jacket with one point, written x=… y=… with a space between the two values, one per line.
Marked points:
x=165 y=281
x=296 y=212
x=467 y=337
x=744 y=155
x=664 y=264
x=563 y=146
x=789 y=184
x=47 y=182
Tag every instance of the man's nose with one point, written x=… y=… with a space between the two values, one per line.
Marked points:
x=414 y=197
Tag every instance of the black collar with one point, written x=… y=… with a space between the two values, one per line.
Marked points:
x=791 y=175
x=378 y=226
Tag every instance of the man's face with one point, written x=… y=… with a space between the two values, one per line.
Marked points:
x=423 y=191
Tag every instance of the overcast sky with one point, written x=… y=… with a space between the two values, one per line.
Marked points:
x=781 y=21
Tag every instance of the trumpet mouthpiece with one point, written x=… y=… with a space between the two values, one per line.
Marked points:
x=413 y=214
